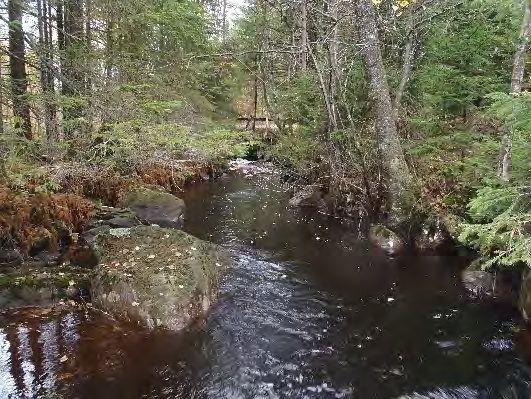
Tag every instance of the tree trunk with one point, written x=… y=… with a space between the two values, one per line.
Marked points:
x=17 y=64
x=109 y=49
x=506 y=156
x=392 y=155
x=73 y=62
x=51 y=79
x=44 y=70
x=224 y=24
x=61 y=30
x=88 y=39
x=407 y=67
x=3 y=144
x=1 y=99
x=304 y=35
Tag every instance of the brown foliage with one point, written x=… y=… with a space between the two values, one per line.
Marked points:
x=173 y=175
x=25 y=219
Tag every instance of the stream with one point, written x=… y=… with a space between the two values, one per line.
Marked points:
x=309 y=310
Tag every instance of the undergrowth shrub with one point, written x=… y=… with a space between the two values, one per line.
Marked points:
x=500 y=214
x=26 y=218
x=501 y=225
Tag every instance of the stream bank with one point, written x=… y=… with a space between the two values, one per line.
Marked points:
x=309 y=309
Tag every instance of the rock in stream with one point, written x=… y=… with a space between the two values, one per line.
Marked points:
x=155 y=206
x=156 y=277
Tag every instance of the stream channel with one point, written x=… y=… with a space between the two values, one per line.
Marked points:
x=309 y=310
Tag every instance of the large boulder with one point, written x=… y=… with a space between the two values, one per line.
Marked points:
x=386 y=239
x=156 y=277
x=155 y=206
x=309 y=196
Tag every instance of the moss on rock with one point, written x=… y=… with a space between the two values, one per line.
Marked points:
x=155 y=206
x=37 y=286
x=156 y=277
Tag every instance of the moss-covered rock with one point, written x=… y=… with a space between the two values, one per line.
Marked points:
x=155 y=206
x=386 y=239
x=156 y=277
x=36 y=286
x=309 y=196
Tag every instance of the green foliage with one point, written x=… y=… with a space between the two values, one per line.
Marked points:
x=301 y=102
x=501 y=216
x=504 y=236
x=123 y=143
x=299 y=151
x=467 y=57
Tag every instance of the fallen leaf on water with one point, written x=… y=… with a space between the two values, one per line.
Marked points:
x=65 y=376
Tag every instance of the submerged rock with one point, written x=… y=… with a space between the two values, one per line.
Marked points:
x=386 y=239
x=156 y=207
x=309 y=196
x=156 y=277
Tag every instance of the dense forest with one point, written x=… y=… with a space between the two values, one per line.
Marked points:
x=265 y=199
x=401 y=109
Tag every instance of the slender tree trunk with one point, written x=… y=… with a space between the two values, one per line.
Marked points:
x=407 y=67
x=506 y=156
x=3 y=144
x=44 y=71
x=88 y=39
x=73 y=62
x=224 y=24
x=394 y=163
x=51 y=80
x=109 y=48
x=304 y=35
x=335 y=72
x=61 y=32
x=17 y=63
x=1 y=98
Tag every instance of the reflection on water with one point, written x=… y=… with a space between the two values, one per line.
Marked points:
x=308 y=311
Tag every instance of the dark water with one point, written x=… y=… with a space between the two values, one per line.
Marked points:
x=310 y=310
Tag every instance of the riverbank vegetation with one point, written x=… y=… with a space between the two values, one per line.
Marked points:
x=397 y=108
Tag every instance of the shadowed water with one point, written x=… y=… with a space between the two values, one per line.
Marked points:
x=310 y=310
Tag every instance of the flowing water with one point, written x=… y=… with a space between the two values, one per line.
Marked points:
x=309 y=310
